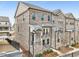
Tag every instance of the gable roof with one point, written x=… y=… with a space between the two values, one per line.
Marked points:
x=35 y=7
x=31 y=6
x=69 y=15
x=4 y=19
x=57 y=12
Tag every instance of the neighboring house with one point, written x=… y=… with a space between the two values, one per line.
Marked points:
x=70 y=28
x=5 y=27
x=12 y=32
x=77 y=30
x=58 y=31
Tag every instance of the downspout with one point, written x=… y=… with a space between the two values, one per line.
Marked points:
x=29 y=36
x=74 y=32
x=55 y=39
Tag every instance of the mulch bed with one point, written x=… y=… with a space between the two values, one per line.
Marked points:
x=76 y=45
x=51 y=54
x=65 y=49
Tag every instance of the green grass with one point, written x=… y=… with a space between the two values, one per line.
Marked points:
x=3 y=42
x=39 y=55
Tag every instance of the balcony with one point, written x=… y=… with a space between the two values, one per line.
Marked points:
x=4 y=31
x=3 y=25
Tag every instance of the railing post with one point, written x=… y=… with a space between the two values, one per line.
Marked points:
x=72 y=55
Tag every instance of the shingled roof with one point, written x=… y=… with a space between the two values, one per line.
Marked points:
x=4 y=19
x=57 y=12
x=69 y=15
x=34 y=6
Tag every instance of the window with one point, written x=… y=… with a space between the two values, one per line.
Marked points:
x=6 y=23
x=47 y=41
x=53 y=21
x=60 y=22
x=42 y=17
x=71 y=38
x=32 y=42
x=33 y=16
x=23 y=19
x=43 y=31
x=46 y=31
x=58 y=40
x=71 y=23
x=6 y=28
x=48 y=18
x=43 y=42
x=18 y=28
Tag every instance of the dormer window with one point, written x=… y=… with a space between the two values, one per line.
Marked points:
x=33 y=16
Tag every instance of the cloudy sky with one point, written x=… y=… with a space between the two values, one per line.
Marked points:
x=8 y=8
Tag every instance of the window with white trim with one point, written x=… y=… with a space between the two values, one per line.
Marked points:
x=47 y=41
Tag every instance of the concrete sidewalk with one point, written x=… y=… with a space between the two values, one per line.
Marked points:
x=11 y=54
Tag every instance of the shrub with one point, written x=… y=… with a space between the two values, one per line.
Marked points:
x=77 y=43
x=44 y=52
x=73 y=45
x=38 y=55
x=48 y=51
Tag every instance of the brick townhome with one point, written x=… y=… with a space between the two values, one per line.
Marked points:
x=38 y=29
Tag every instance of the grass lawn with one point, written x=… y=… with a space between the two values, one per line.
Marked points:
x=65 y=49
x=3 y=42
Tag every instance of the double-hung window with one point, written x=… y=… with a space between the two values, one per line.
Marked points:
x=48 y=18
x=47 y=41
x=43 y=42
x=42 y=17
x=33 y=16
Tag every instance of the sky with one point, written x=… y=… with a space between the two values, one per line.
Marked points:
x=8 y=8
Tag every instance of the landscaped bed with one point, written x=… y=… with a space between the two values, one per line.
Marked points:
x=47 y=53
x=65 y=49
x=3 y=42
x=75 y=45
